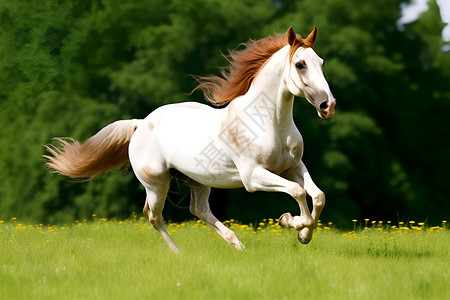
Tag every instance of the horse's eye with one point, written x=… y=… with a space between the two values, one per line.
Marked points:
x=300 y=65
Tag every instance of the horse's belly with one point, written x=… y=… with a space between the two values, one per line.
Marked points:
x=223 y=180
x=209 y=169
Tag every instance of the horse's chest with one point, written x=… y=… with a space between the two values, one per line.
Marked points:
x=281 y=156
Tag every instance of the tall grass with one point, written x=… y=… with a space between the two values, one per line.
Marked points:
x=105 y=259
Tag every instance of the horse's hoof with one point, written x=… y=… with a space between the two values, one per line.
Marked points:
x=239 y=246
x=304 y=236
x=284 y=220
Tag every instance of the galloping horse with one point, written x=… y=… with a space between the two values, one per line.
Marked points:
x=251 y=141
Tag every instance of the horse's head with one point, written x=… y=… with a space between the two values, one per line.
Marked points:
x=304 y=76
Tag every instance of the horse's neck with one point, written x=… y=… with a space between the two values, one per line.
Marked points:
x=269 y=94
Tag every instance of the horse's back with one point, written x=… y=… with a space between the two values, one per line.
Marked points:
x=176 y=110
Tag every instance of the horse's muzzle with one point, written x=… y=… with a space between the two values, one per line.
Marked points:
x=327 y=109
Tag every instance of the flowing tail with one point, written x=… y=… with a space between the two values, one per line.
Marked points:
x=105 y=150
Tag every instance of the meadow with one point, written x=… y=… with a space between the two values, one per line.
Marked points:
x=112 y=259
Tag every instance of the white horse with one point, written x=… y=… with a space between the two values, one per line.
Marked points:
x=252 y=142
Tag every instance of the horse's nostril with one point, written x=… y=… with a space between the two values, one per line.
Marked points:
x=323 y=105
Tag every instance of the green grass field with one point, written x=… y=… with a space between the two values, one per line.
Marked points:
x=104 y=259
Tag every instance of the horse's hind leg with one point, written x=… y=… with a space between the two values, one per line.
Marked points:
x=153 y=208
x=200 y=207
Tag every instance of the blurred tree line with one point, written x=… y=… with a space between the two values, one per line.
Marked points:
x=68 y=68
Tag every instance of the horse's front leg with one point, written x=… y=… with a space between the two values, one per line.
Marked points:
x=302 y=176
x=316 y=194
x=264 y=180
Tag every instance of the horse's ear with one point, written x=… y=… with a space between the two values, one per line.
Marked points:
x=312 y=36
x=291 y=36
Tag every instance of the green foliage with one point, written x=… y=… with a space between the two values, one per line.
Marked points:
x=68 y=68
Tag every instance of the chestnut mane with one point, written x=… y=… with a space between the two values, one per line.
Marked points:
x=244 y=65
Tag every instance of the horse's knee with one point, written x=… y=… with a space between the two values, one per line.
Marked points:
x=298 y=192
x=319 y=200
